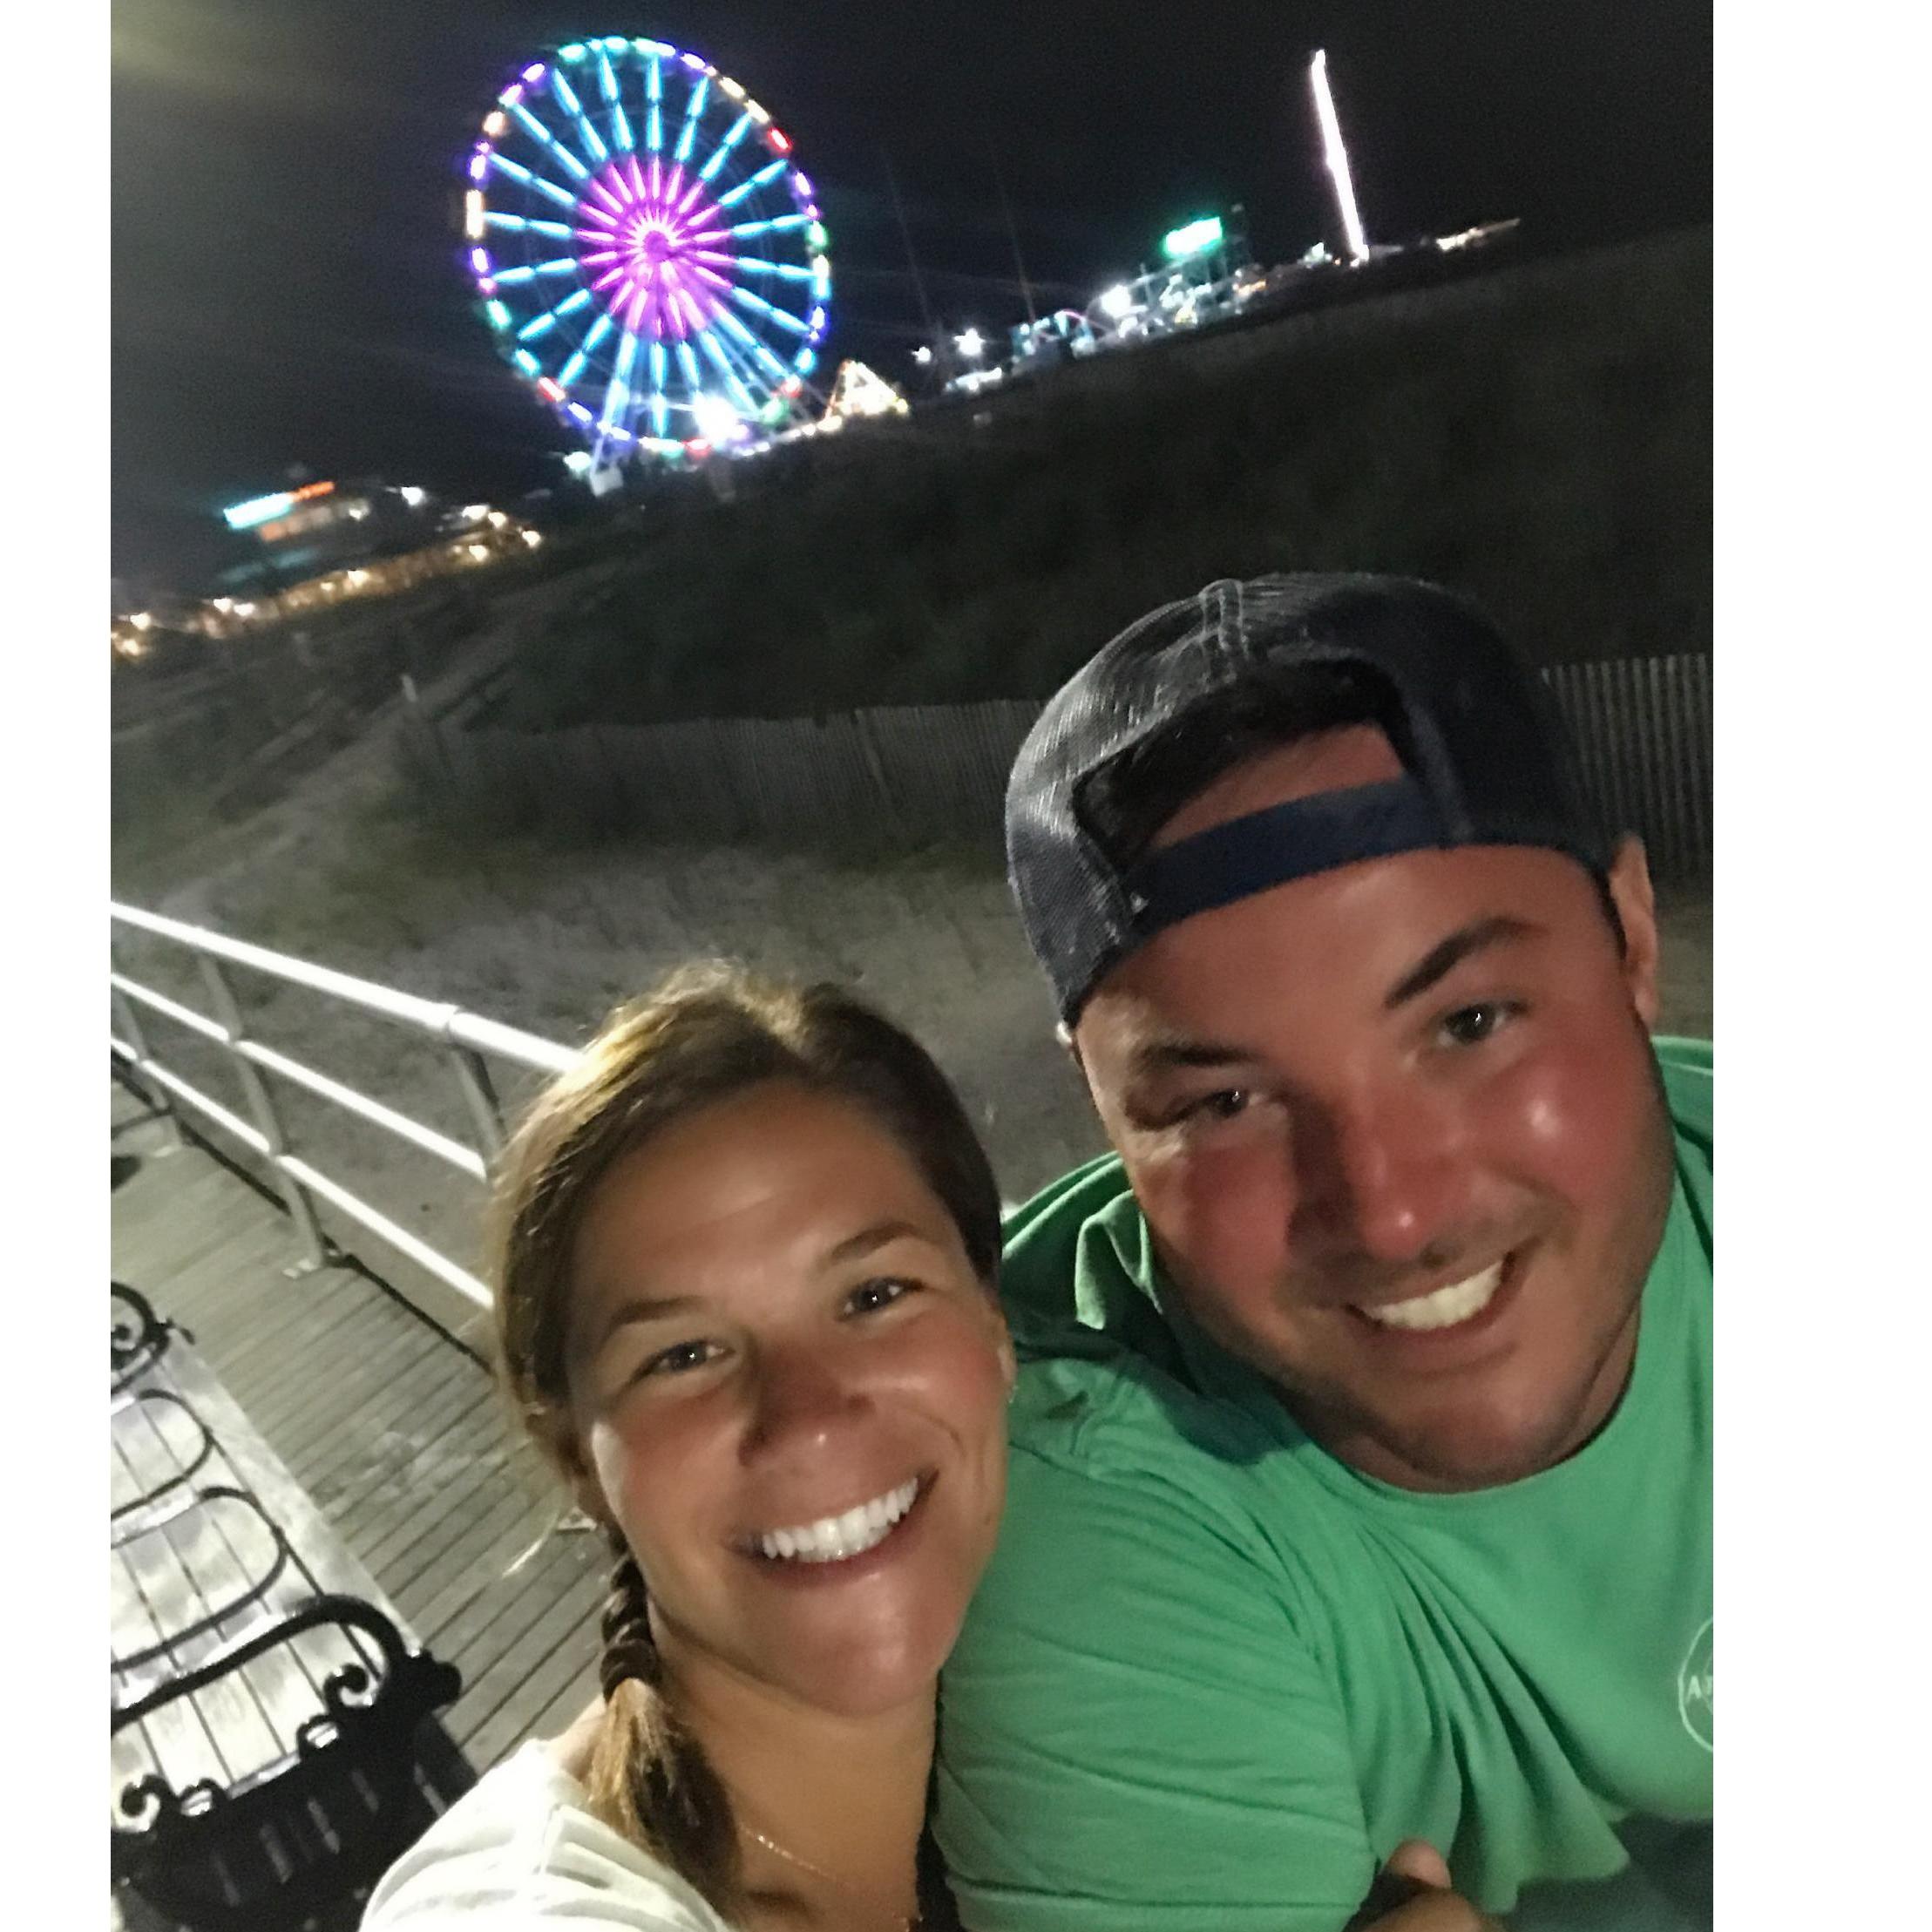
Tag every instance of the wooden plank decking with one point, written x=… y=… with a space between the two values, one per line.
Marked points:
x=392 y=1429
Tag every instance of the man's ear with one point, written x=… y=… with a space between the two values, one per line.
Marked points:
x=1070 y=1041
x=1636 y=902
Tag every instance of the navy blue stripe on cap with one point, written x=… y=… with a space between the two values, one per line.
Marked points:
x=1264 y=849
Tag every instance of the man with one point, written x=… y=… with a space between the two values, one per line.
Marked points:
x=1361 y=1483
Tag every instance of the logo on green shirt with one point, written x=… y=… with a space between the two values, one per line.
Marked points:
x=1694 y=1687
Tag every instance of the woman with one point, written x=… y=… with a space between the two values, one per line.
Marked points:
x=745 y=1306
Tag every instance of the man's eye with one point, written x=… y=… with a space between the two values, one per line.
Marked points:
x=680 y=1358
x=1471 y=1025
x=872 y=1296
x=1230 y=1103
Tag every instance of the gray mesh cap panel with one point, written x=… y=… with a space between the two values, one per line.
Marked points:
x=1472 y=723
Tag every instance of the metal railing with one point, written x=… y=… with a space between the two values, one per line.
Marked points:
x=470 y=1042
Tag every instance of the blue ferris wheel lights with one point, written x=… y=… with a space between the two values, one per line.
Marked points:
x=752 y=183
x=645 y=243
x=740 y=128
x=694 y=112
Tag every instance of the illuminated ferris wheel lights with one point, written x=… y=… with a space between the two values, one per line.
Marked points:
x=716 y=420
x=647 y=242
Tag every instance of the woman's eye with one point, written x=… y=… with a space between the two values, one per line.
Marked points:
x=680 y=1358
x=872 y=1296
x=1471 y=1025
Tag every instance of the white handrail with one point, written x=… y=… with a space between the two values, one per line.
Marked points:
x=470 y=1039
x=434 y=1017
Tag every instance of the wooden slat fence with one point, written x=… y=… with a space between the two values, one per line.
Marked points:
x=909 y=774
x=1642 y=729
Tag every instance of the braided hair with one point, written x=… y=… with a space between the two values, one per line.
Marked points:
x=706 y=1034
x=648 y=1778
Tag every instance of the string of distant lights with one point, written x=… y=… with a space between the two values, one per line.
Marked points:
x=649 y=257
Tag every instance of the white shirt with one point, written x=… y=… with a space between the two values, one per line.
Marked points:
x=520 y=1848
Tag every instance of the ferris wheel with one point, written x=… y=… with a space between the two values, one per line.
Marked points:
x=648 y=252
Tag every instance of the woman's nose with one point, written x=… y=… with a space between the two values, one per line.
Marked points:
x=800 y=1396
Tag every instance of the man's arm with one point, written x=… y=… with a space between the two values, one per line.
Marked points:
x=1133 y=1736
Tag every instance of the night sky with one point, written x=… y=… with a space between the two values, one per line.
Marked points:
x=286 y=194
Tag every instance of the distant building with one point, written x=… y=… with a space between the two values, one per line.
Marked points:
x=320 y=526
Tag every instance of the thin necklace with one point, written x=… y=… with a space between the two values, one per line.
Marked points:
x=905 y=1924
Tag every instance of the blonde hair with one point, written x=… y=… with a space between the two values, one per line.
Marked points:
x=704 y=1035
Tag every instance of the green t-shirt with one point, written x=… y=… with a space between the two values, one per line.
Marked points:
x=1213 y=1676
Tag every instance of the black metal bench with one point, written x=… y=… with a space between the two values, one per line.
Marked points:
x=274 y=1739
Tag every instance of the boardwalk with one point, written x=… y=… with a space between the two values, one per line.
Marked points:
x=393 y=1430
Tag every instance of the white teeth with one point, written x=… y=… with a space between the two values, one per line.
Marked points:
x=1445 y=1307
x=834 y=1539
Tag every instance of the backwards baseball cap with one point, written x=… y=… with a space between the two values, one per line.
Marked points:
x=1485 y=760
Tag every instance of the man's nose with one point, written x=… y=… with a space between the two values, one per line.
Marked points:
x=801 y=1397
x=1386 y=1177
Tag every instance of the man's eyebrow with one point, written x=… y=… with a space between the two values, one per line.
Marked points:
x=1166 y=1056
x=1441 y=960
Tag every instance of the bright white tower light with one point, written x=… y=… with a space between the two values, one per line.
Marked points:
x=1337 y=157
